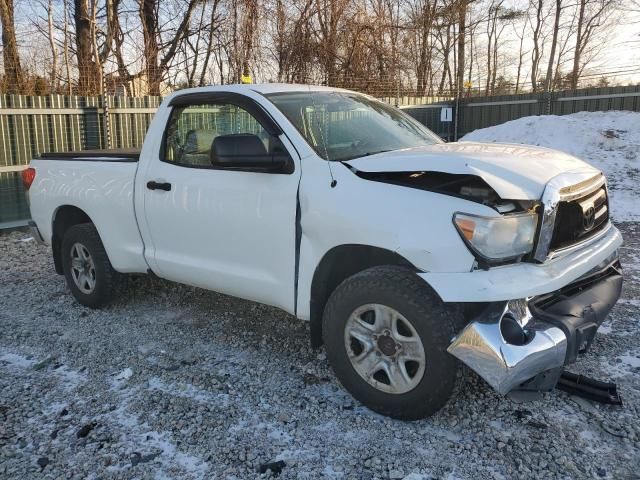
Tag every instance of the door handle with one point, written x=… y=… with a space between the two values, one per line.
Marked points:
x=153 y=185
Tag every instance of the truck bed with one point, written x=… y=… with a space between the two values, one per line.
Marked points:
x=101 y=185
x=111 y=155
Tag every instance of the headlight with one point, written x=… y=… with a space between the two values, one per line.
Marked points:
x=498 y=238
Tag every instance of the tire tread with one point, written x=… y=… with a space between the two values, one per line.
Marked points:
x=107 y=279
x=408 y=288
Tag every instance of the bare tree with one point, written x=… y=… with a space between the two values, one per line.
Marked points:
x=384 y=47
x=521 y=53
x=293 y=39
x=462 y=9
x=494 y=29
x=65 y=47
x=88 y=69
x=592 y=15
x=12 y=68
x=330 y=15
x=53 y=46
x=157 y=60
x=422 y=20
x=554 y=44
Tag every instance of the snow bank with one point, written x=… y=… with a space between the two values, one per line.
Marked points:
x=610 y=141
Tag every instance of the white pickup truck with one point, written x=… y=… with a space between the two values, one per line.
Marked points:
x=407 y=255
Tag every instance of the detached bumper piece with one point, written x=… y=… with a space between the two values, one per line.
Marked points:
x=589 y=388
x=524 y=344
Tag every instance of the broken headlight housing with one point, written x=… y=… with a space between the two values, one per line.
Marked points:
x=498 y=239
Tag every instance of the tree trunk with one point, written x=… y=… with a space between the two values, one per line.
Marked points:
x=212 y=31
x=149 y=21
x=554 y=43
x=94 y=39
x=575 y=72
x=491 y=26
x=87 y=67
x=536 y=54
x=462 y=27
x=53 y=79
x=67 y=62
x=14 y=76
x=520 y=59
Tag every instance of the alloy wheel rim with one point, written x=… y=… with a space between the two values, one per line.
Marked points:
x=83 y=270
x=384 y=349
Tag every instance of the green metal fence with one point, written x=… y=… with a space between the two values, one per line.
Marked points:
x=482 y=112
x=33 y=125
x=13 y=207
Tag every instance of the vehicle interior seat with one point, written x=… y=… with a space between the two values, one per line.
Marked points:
x=197 y=146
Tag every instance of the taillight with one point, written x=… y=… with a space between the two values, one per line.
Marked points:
x=28 y=176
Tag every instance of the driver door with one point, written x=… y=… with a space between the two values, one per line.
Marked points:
x=218 y=227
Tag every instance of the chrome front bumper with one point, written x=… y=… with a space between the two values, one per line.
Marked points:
x=482 y=345
x=511 y=343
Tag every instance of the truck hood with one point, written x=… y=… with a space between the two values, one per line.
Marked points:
x=515 y=172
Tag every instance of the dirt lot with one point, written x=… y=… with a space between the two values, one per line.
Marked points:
x=176 y=382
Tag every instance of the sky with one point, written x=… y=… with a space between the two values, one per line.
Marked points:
x=620 y=57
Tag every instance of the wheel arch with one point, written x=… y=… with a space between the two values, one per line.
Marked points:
x=64 y=218
x=338 y=264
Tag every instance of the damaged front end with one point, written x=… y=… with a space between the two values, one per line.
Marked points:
x=524 y=344
x=467 y=186
x=552 y=234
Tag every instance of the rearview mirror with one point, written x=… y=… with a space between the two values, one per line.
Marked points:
x=246 y=151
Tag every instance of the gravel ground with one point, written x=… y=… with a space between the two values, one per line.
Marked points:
x=177 y=382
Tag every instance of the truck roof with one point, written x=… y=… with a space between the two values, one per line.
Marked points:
x=289 y=87
x=262 y=88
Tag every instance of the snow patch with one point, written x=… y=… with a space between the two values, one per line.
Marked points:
x=71 y=379
x=631 y=360
x=16 y=360
x=190 y=392
x=125 y=374
x=606 y=328
x=137 y=432
x=633 y=302
x=623 y=365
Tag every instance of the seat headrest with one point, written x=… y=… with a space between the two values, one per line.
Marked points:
x=199 y=141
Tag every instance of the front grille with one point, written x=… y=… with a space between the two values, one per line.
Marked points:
x=580 y=218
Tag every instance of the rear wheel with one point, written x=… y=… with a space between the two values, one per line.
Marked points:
x=88 y=272
x=386 y=334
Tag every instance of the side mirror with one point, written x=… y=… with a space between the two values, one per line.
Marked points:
x=246 y=151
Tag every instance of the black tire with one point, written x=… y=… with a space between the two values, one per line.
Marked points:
x=106 y=278
x=402 y=290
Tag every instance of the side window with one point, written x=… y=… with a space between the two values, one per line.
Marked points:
x=192 y=130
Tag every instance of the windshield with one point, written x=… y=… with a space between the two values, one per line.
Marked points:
x=345 y=125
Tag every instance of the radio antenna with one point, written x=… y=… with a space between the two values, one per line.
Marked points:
x=334 y=182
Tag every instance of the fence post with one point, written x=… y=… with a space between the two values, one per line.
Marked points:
x=105 y=112
x=546 y=103
x=456 y=118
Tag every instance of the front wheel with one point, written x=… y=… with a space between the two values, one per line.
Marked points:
x=87 y=269
x=386 y=333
